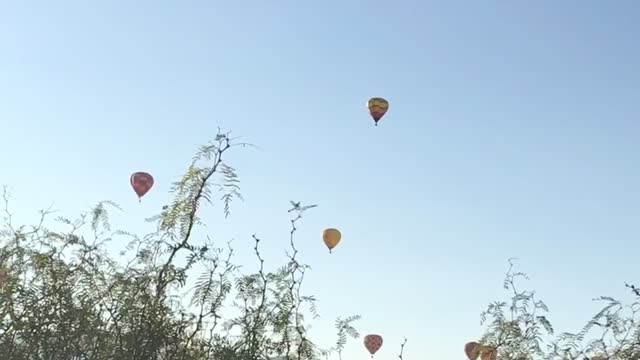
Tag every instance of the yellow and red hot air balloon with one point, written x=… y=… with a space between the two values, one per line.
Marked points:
x=331 y=237
x=472 y=350
x=377 y=108
x=488 y=353
x=373 y=343
x=141 y=182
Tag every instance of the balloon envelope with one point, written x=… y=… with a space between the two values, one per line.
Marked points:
x=472 y=349
x=488 y=353
x=331 y=237
x=377 y=108
x=141 y=182
x=373 y=343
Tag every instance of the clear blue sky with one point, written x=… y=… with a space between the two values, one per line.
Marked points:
x=513 y=132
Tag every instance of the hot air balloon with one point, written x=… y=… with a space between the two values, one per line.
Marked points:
x=377 y=108
x=331 y=237
x=141 y=182
x=373 y=343
x=488 y=353
x=472 y=349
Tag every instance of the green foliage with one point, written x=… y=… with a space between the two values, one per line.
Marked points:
x=62 y=296
x=518 y=328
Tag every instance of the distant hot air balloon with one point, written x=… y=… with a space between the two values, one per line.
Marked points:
x=373 y=343
x=488 y=353
x=141 y=182
x=331 y=237
x=472 y=349
x=377 y=108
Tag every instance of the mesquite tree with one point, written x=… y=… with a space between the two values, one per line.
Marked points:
x=64 y=296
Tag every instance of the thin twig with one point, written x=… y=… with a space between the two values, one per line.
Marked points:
x=402 y=348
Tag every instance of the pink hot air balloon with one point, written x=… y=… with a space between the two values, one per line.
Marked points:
x=141 y=182
x=373 y=343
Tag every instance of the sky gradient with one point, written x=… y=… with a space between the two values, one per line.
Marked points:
x=513 y=131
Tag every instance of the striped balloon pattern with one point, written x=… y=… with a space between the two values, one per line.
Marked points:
x=377 y=108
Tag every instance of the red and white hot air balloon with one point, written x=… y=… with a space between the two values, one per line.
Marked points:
x=141 y=182
x=373 y=343
x=472 y=350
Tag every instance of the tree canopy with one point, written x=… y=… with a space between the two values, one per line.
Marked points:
x=64 y=296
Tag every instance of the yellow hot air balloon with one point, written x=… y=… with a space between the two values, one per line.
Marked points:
x=331 y=237
x=377 y=108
